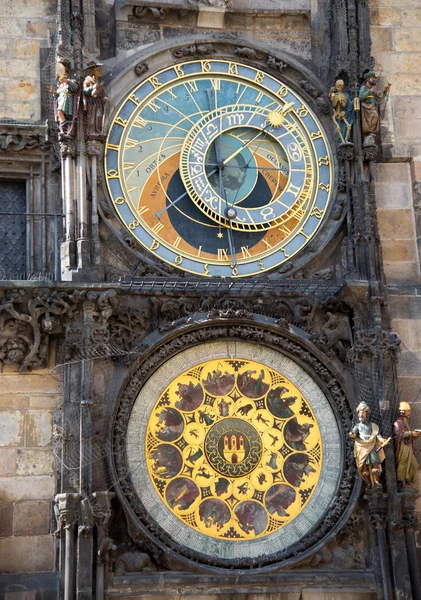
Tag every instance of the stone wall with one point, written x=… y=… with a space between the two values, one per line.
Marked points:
x=25 y=27
x=27 y=480
x=396 y=34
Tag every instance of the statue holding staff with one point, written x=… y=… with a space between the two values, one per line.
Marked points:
x=368 y=447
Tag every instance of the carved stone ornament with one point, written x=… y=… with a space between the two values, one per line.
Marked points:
x=276 y=338
x=141 y=68
x=277 y=65
x=193 y=50
x=142 y=11
x=15 y=139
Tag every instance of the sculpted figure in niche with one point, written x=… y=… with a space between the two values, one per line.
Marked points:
x=343 y=111
x=368 y=447
x=370 y=98
x=66 y=99
x=94 y=100
x=404 y=438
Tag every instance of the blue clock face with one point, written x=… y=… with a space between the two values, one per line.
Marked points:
x=218 y=168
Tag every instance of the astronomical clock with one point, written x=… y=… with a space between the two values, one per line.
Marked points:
x=218 y=168
x=234 y=450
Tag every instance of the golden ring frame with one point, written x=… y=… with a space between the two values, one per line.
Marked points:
x=205 y=73
x=188 y=478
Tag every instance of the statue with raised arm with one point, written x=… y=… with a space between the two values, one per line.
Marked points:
x=404 y=438
x=343 y=111
x=368 y=447
x=370 y=98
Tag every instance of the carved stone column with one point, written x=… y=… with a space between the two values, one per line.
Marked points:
x=85 y=552
x=68 y=247
x=409 y=497
x=67 y=506
x=101 y=507
x=377 y=506
x=94 y=150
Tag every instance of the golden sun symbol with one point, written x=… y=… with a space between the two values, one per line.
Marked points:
x=275 y=118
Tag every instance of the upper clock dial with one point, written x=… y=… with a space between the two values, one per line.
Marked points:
x=218 y=168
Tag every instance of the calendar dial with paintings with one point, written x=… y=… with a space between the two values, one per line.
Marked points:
x=218 y=168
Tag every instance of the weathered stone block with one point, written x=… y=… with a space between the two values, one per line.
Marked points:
x=32 y=518
x=396 y=223
x=36 y=29
x=17 y=68
x=15 y=489
x=404 y=63
x=406 y=40
x=411 y=17
x=399 y=250
x=11 y=28
x=392 y=173
x=401 y=326
x=44 y=401
x=39 y=424
x=20 y=111
x=12 y=428
x=27 y=8
x=26 y=48
x=406 y=107
x=27 y=554
x=22 y=90
x=14 y=401
x=28 y=383
x=33 y=462
x=393 y=195
x=4 y=48
x=7 y=462
x=415 y=334
x=408 y=128
x=210 y=18
x=6 y=520
x=402 y=271
x=385 y=16
x=381 y=40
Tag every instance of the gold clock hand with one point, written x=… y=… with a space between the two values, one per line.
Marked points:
x=242 y=148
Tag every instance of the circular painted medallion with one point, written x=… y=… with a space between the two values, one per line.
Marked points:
x=233 y=448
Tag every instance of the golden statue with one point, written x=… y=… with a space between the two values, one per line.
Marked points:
x=406 y=463
x=368 y=447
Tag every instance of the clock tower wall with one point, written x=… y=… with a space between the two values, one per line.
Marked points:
x=211 y=270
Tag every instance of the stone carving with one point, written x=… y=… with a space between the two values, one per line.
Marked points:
x=141 y=68
x=370 y=99
x=133 y=562
x=15 y=142
x=317 y=94
x=251 y=332
x=343 y=111
x=368 y=447
x=86 y=523
x=141 y=12
x=345 y=551
x=193 y=50
x=403 y=437
x=248 y=53
x=336 y=334
x=26 y=322
x=127 y=328
x=94 y=102
x=277 y=65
